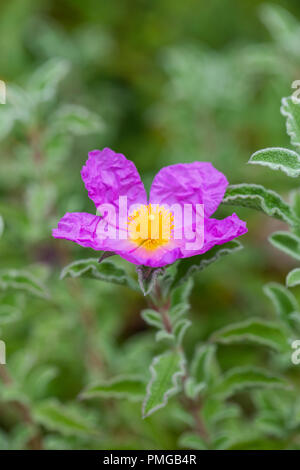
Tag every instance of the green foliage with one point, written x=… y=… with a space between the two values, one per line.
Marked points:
x=293 y=278
x=152 y=317
x=63 y=419
x=256 y=331
x=190 y=266
x=44 y=81
x=284 y=301
x=147 y=277
x=287 y=242
x=192 y=441
x=166 y=372
x=76 y=120
x=131 y=388
x=8 y=314
x=285 y=160
x=291 y=110
x=259 y=198
x=23 y=280
x=105 y=271
x=239 y=379
x=204 y=367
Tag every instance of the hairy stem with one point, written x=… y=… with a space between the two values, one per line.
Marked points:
x=193 y=406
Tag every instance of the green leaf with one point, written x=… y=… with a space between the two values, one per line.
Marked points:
x=37 y=381
x=290 y=108
x=60 y=418
x=283 y=27
x=282 y=159
x=190 y=266
x=295 y=202
x=163 y=335
x=192 y=440
x=152 y=317
x=166 y=371
x=8 y=314
x=43 y=83
x=39 y=200
x=287 y=242
x=284 y=301
x=278 y=20
x=269 y=423
x=180 y=299
x=254 y=330
x=293 y=278
x=147 y=277
x=181 y=294
x=259 y=198
x=104 y=271
x=130 y=387
x=204 y=366
x=12 y=393
x=18 y=108
x=243 y=378
x=180 y=329
x=23 y=280
x=77 y=120
x=7 y=121
x=192 y=389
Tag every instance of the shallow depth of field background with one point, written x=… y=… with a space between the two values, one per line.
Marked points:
x=171 y=81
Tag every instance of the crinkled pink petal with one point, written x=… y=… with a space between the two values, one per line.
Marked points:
x=83 y=229
x=218 y=232
x=162 y=256
x=193 y=183
x=80 y=227
x=108 y=175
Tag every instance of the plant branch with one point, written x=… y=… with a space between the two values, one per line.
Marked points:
x=193 y=406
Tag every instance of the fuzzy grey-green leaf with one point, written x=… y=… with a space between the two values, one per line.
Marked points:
x=147 y=277
x=190 y=266
x=22 y=280
x=290 y=108
x=255 y=331
x=287 y=242
x=204 y=367
x=259 y=198
x=241 y=378
x=293 y=278
x=166 y=371
x=77 y=120
x=57 y=417
x=130 y=387
x=278 y=158
x=152 y=317
x=284 y=301
x=104 y=271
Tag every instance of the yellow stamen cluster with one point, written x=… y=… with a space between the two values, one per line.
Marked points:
x=150 y=226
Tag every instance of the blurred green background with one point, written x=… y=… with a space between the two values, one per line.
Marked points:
x=162 y=82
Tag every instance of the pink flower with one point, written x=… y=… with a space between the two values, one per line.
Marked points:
x=108 y=176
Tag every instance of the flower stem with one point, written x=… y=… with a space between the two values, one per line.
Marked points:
x=193 y=406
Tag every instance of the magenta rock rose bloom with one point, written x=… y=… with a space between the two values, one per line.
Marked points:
x=154 y=232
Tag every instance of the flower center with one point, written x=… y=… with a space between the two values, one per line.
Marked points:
x=150 y=226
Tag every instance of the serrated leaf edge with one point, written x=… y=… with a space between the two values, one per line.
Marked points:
x=172 y=391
